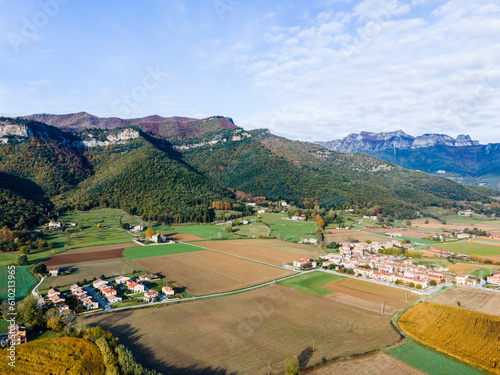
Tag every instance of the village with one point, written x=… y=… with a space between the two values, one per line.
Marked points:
x=365 y=260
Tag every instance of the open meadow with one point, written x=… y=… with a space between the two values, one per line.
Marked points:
x=464 y=334
x=242 y=333
x=349 y=235
x=311 y=282
x=24 y=282
x=265 y=250
x=470 y=248
x=196 y=232
x=368 y=364
x=482 y=301
x=89 y=270
x=207 y=272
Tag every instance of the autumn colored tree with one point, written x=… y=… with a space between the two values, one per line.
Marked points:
x=150 y=232
x=320 y=221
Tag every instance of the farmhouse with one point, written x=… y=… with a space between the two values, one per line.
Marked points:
x=150 y=296
x=304 y=262
x=54 y=271
x=136 y=228
x=98 y=283
x=168 y=291
x=17 y=335
x=63 y=309
x=135 y=287
x=108 y=292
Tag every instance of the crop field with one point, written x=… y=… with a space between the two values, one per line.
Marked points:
x=269 y=251
x=241 y=333
x=467 y=335
x=252 y=230
x=311 y=282
x=469 y=248
x=207 y=272
x=344 y=235
x=457 y=222
x=89 y=270
x=429 y=361
x=474 y=268
x=372 y=292
x=24 y=282
x=157 y=250
x=369 y=364
x=84 y=257
x=60 y=355
x=481 y=301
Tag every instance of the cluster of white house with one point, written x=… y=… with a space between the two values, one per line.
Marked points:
x=494 y=279
x=366 y=262
x=81 y=295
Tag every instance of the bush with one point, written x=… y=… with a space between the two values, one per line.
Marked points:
x=419 y=286
x=22 y=260
x=411 y=285
x=433 y=283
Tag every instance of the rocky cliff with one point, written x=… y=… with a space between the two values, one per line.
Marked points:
x=368 y=141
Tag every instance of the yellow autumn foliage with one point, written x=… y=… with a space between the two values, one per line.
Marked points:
x=467 y=335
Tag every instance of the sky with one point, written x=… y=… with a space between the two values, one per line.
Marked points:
x=309 y=70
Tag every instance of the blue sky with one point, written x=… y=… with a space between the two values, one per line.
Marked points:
x=315 y=70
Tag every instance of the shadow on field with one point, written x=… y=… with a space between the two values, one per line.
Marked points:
x=129 y=337
x=305 y=357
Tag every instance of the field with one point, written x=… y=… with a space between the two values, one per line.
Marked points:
x=374 y=363
x=71 y=258
x=61 y=355
x=207 y=272
x=157 y=250
x=343 y=235
x=201 y=231
x=24 y=282
x=241 y=333
x=372 y=292
x=89 y=270
x=476 y=300
x=469 y=248
x=457 y=222
x=289 y=230
x=252 y=230
x=108 y=233
x=467 y=335
x=429 y=361
x=311 y=282
x=269 y=251
x=473 y=268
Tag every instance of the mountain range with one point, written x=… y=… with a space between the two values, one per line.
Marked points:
x=461 y=159
x=172 y=169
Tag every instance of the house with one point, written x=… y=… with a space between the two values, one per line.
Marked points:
x=82 y=296
x=114 y=299
x=363 y=272
x=393 y=235
x=136 y=228
x=18 y=334
x=90 y=303
x=76 y=290
x=135 y=287
x=121 y=279
x=494 y=279
x=54 y=224
x=147 y=277
x=302 y=217
x=168 y=291
x=304 y=262
x=150 y=296
x=63 y=308
x=108 y=292
x=98 y=283
x=53 y=291
x=261 y=211
x=54 y=271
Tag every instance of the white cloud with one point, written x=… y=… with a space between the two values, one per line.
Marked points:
x=380 y=68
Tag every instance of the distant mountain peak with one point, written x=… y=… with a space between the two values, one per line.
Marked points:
x=369 y=141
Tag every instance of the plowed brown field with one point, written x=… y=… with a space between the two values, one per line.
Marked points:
x=476 y=300
x=207 y=272
x=83 y=257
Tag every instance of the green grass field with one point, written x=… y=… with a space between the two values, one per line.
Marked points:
x=311 y=283
x=430 y=361
x=4 y=326
x=470 y=248
x=155 y=250
x=413 y=239
x=472 y=221
x=205 y=231
x=24 y=282
x=288 y=230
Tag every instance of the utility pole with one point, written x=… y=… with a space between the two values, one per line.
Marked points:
x=406 y=297
x=381 y=308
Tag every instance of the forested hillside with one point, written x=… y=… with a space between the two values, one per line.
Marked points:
x=177 y=175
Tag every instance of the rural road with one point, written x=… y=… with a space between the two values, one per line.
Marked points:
x=34 y=290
